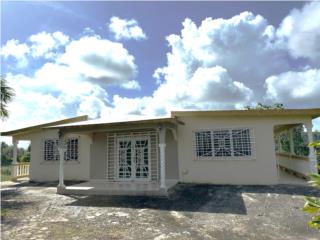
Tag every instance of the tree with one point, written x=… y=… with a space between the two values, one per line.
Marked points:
x=261 y=106
x=312 y=205
x=7 y=94
x=7 y=154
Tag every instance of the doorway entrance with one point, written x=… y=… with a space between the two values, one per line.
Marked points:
x=133 y=159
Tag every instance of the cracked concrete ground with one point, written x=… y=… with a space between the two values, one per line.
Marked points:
x=35 y=211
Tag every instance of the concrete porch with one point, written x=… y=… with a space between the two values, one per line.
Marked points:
x=102 y=187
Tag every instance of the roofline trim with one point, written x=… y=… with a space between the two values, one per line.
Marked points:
x=312 y=112
x=160 y=120
x=40 y=126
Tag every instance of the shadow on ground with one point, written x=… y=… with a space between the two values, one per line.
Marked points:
x=184 y=197
x=195 y=198
x=191 y=198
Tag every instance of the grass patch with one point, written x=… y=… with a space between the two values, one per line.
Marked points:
x=5 y=173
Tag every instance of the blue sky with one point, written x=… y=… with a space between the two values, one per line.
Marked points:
x=109 y=59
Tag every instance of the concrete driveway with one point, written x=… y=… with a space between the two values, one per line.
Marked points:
x=34 y=211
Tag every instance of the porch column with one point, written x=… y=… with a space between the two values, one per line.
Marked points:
x=291 y=141
x=312 y=154
x=14 y=167
x=15 y=152
x=61 y=167
x=162 y=146
x=61 y=149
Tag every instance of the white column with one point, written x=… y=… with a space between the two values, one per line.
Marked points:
x=15 y=151
x=291 y=141
x=162 y=147
x=312 y=154
x=14 y=164
x=61 y=167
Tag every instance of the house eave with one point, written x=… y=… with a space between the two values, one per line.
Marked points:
x=34 y=128
x=312 y=113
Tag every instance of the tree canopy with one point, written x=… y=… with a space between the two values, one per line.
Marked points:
x=261 y=106
x=6 y=95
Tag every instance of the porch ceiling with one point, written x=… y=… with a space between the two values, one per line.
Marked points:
x=280 y=128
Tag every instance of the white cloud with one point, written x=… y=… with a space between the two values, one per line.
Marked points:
x=75 y=82
x=31 y=107
x=295 y=89
x=45 y=44
x=92 y=106
x=100 y=60
x=17 y=50
x=215 y=85
x=41 y=45
x=126 y=29
x=243 y=45
x=299 y=32
x=222 y=63
x=208 y=88
x=132 y=85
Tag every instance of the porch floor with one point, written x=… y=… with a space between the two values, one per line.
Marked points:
x=286 y=178
x=101 y=187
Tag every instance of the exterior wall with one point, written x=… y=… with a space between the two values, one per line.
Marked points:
x=98 y=156
x=172 y=167
x=260 y=169
x=43 y=171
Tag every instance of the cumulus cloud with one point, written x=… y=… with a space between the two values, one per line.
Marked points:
x=100 y=60
x=208 y=88
x=241 y=45
x=13 y=48
x=219 y=64
x=222 y=63
x=30 y=107
x=295 y=89
x=126 y=29
x=299 y=32
x=41 y=45
x=45 y=44
x=75 y=81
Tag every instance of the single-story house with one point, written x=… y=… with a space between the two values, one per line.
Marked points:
x=147 y=156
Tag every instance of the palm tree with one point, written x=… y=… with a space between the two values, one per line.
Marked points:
x=7 y=94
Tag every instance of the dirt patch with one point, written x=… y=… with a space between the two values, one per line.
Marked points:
x=33 y=211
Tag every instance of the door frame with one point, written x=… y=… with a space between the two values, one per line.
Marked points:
x=133 y=177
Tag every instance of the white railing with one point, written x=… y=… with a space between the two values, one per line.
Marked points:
x=19 y=170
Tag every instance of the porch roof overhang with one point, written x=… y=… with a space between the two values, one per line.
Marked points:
x=38 y=127
x=311 y=112
x=124 y=124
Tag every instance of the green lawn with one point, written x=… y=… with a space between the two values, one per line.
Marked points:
x=5 y=173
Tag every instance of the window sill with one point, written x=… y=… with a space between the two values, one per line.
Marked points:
x=224 y=159
x=69 y=162
x=296 y=157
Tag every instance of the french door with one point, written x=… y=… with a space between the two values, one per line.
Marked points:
x=133 y=158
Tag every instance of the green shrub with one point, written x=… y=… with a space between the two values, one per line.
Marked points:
x=312 y=205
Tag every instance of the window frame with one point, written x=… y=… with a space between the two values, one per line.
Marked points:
x=69 y=149
x=232 y=156
x=56 y=155
x=54 y=150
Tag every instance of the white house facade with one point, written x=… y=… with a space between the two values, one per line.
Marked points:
x=149 y=156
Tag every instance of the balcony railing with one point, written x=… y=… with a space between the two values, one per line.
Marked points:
x=19 y=170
